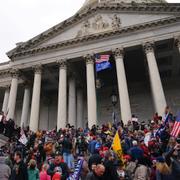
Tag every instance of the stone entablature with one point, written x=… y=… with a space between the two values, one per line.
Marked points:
x=132 y=1
x=141 y=8
x=97 y=36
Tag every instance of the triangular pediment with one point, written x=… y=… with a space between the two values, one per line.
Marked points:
x=97 y=21
x=104 y=22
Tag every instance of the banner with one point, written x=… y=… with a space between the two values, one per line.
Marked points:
x=102 y=62
x=23 y=139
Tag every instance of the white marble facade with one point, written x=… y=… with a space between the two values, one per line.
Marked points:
x=50 y=79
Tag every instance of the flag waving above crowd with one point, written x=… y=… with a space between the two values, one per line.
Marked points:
x=176 y=128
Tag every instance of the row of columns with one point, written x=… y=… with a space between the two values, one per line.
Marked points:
x=125 y=109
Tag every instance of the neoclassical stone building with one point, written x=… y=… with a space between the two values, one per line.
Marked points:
x=51 y=80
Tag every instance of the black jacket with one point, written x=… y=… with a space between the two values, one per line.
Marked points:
x=110 y=171
x=62 y=166
x=19 y=171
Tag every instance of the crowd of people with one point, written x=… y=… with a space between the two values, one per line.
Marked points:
x=149 y=151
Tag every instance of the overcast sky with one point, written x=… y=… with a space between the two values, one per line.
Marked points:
x=23 y=19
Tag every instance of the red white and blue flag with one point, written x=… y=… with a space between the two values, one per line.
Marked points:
x=102 y=62
x=176 y=128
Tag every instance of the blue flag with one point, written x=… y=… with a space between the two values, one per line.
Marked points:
x=102 y=62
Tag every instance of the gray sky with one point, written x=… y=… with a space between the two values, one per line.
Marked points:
x=24 y=19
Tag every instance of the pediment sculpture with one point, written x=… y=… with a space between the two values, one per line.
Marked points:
x=99 y=24
x=84 y=29
x=116 y=22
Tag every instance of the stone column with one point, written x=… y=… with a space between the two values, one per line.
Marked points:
x=91 y=91
x=62 y=95
x=80 y=108
x=125 y=108
x=35 y=104
x=25 y=107
x=5 y=101
x=12 y=94
x=155 y=80
x=72 y=101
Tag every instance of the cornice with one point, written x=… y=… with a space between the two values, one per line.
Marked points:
x=5 y=72
x=122 y=31
x=173 y=8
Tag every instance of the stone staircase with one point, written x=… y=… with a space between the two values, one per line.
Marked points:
x=3 y=140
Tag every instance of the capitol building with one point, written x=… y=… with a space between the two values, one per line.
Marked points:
x=51 y=79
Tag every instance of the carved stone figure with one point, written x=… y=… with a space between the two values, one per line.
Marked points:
x=84 y=29
x=99 y=24
x=116 y=22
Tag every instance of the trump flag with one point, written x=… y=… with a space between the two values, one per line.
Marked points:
x=102 y=62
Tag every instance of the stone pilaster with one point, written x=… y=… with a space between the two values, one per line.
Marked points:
x=125 y=108
x=62 y=95
x=91 y=91
x=35 y=105
x=155 y=80
x=13 y=94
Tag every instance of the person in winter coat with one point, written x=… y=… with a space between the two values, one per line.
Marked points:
x=136 y=152
x=59 y=166
x=5 y=170
x=173 y=160
x=33 y=172
x=19 y=171
x=97 y=173
x=142 y=172
x=43 y=174
x=110 y=168
x=163 y=171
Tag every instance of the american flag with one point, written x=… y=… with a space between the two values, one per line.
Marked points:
x=101 y=58
x=102 y=62
x=176 y=128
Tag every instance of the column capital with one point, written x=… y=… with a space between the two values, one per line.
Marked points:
x=148 y=47
x=14 y=72
x=177 y=41
x=37 y=68
x=62 y=63
x=89 y=59
x=118 y=52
